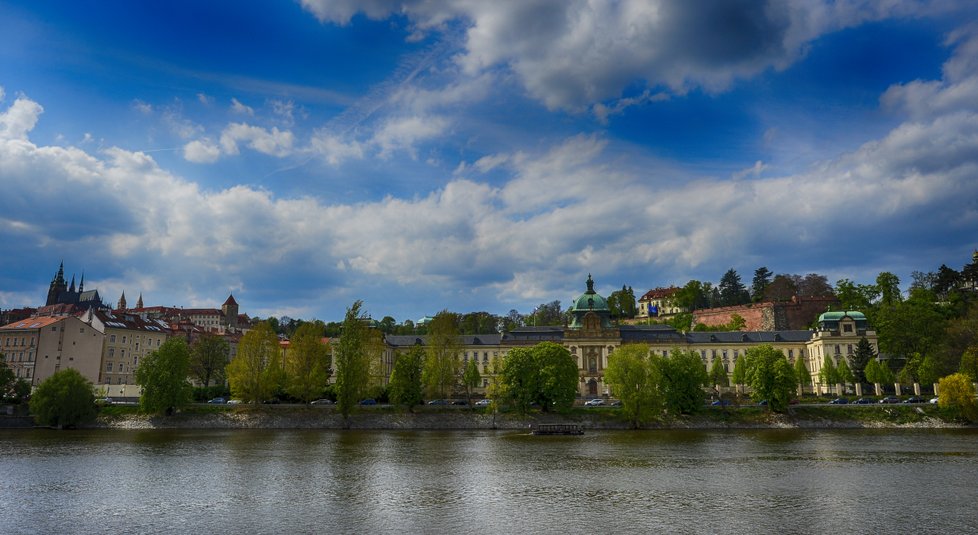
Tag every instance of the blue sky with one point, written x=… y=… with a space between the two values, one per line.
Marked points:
x=469 y=155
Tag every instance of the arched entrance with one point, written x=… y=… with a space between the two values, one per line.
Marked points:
x=592 y=387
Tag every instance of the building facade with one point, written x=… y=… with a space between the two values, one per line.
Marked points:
x=38 y=347
x=128 y=338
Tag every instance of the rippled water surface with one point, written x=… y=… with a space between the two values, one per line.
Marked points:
x=244 y=481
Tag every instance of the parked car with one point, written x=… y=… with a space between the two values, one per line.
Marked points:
x=615 y=403
x=915 y=399
x=460 y=402
x=863 y=401
x=720 y=403
x=933 y=400
x=483 y=403
x=368 y=401
x=890 y=399
x=839 y=401
x=234 y=401
x=321 y=402
x=596 y=402
x=218 y=401
x=438 y=402
x=762 y=403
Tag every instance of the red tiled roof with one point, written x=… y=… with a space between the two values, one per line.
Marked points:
x=659 y=293
x=37 y=322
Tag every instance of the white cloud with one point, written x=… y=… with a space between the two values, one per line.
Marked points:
x=335 y=150
x=573 y=53
x=272 y=142
x=19 y=119
x=402 y=133
x=201 y=151
x=205 y=99
x=284 y=109
x=142 y=107
x=238 y=107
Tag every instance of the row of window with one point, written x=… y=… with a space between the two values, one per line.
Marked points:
x=20 y=356
x=23 y=341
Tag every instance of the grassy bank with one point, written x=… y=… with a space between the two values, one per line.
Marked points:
x=386 y=417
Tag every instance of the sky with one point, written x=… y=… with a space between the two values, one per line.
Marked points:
x=465 y=155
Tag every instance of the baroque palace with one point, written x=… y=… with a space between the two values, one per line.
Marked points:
x=591 y=339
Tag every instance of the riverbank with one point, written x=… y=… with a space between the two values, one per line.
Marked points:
x=386 y=418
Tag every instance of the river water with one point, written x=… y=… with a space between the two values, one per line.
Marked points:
x=251 y=481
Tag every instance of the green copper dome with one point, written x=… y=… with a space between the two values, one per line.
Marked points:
x=589 y=301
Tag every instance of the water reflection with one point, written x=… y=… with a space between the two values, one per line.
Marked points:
x=261 y=481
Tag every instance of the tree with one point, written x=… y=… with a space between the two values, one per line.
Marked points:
x=912 y=326
x=634 y=379
x=770 y=376
x=65 y=399
x=208 y=359
x=815 y=285
x=256 y=372
x=558 y=375
x=828 y=374
x=945 y=281
x=888 y=286
x=471 y=378
x=163 y=377
x=441 y=365
x=405 y=383
x=843 y=372
x=12 y=389
x=545 y=373
x=732 y=290
x=718 y=374
x=927 y=372
x=873 y=373
x=782 y=288
x=762 y=278
x=621 y=303
x=860 y=359
x=802 y=375
x=854 y=296
x=682 y=379
x=694 y=295
x=352 y=359
x=548 y=314
x=740 y=371
x=307 y=363
x=957 y=394
x=969 y=363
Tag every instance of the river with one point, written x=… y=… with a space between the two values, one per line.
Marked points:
x=265 y=481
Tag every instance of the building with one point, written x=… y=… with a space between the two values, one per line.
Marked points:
x=225 y=319
x=591 y=338
x=658 y=303
x=61 y=293
x=128 y=338
x=38 y=347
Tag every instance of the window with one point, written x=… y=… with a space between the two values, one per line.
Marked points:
x=791 y=353
x=123 y=339
x=111 y=352
x=112 y=338
x=847 y=327
x=849 y=349
x=702 y=353
x=837 y=351
x=108 y=367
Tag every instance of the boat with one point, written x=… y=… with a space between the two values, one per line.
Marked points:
x=558 y=429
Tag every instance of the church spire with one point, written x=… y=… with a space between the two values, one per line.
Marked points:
x=81 y=285
x=122 y=301
x=139 y=302
x=72 y=287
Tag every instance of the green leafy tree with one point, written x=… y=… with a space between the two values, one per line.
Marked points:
x=815 y=285
x=683 y=377
x=622 y=303
x=854 y=296
x=256 y=372
x=740 y=371
x=828 y=375
x=844 y=373
x=718 y=374
x=886 y=375
x=558 y=375
x=66 y=399
x=888 y=286
x=520 y=378
x=307 y=363
x=732 y=290
x=545 y=373
x=471 y=378
x=441 y=367
x=762 y=277
x=969 y=363
x=957 y=394
x=10 y=386
x=634 y=379
x=770 y=376
x=861 y=358
x=682 y=321
x=405 y=383
x=873 y=373
x=802 y=375
x=353 y=358
x=927 y=372
x=694 y=295
x=208 y=359
x=163 y=377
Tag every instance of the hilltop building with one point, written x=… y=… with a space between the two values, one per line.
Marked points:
x=65 y=298
x=658 y=303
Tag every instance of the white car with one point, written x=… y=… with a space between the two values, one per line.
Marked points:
x=483 y=403
x=596 y=402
